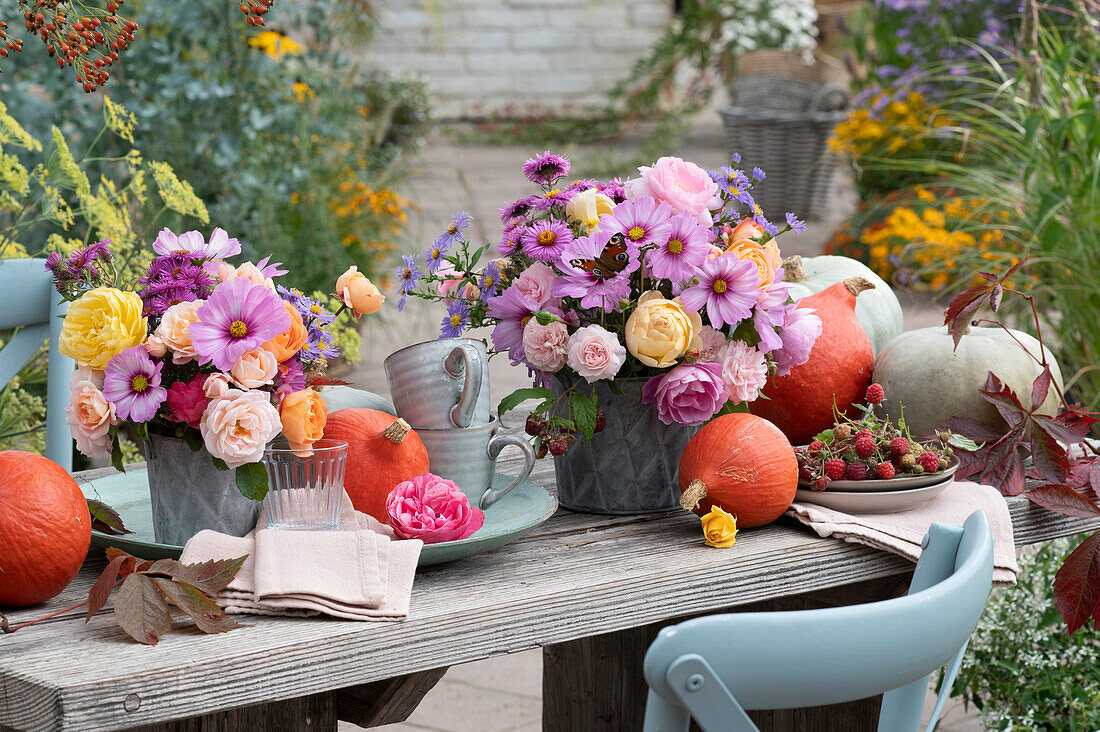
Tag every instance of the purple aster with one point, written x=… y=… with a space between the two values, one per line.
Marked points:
x=238 y=317
x=319 y=344
x=291 y=377
x=556 y=197
x=511 y=240
x=172 y=279
x=796 y=224
x=293 y=295
x=512 y=309
x=131 y=381
x=434 y=256
x=546 y=168
x=761 y=221
x=757 y=174
x=459 y=223
x=728 y=287
x=583 y=185
x=770 y=311
x=680 y=257
x=192 y=244
x=489 y=280
x=801 y=329
x=544 y=240
x=456 y=319
x=585 y=277
x=644 y=221
x=408 y=274
x=614 y=189
x=516 y=209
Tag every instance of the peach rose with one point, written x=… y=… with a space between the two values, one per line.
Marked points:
x=303 y=415
x=89 y=414
x=746 y=229
x=248 y=271
x=254 y=369
x=358 y=293
x=287 y=344
x=766 y=257
x=683 y=185
x=216 y=385
x=237 y=425
x=155 y=346
x=175 y=330
x=659 y=331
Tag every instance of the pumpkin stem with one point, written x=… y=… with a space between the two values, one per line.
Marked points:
x=397 y=431
x=793 y=269
x=695 y=492
x=857 y=285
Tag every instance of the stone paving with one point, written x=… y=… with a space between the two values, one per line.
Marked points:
x=505 y=694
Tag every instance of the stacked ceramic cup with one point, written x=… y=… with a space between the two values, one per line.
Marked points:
x=441 y=388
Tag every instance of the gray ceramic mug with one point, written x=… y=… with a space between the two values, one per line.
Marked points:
x=440 y=384
x=469 y=457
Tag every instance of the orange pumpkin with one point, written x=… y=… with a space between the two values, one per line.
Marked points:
x=382 y=452
x=839 y=368
x=45 y=528
x=744 y=465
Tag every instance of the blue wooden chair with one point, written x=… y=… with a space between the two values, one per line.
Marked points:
x=28 y=299
x=714 y=668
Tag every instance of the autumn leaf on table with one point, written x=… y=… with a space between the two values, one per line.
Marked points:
x=105 y=519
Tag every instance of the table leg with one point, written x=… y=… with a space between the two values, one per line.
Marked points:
x=389 y=701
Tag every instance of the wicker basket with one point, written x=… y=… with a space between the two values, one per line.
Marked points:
x=782 y=116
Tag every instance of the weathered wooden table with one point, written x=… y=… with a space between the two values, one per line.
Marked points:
x=592 y=591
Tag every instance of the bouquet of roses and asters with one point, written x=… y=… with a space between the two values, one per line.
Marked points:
x=212 y=353
x=674 y=276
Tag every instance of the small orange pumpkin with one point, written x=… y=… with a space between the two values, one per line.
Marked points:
x=744 y=465
x=382 y=452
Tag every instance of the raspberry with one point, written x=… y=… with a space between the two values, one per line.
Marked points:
x=876 y=394
x=816 y=446
x=558 y=446
x=899 y=446
x=534 y=424
x=821 y=484
x=917 y=469
x=540 y=451
x=805 y=474
x=908 y=462
x=864 y=433
x=885 y=470
x=601 y=422
x=865 y=446
x=834 y=469
x=930 y=461
x=842 y=432
x=855 y=471
x=944 y=463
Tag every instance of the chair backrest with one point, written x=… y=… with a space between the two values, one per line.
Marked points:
x=782 y=660
x=28 y=300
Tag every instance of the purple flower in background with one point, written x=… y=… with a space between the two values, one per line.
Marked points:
x=238 y=317
x=614 y=189
x=82 y=270
x=770 y=312
x=456 y=319
x=592 y=280
x=642 y=222
x=687 y=394
x=131 y=381
x=757 y=174
x=728 y=288
x=193 y=245
x=546 y=239
x=489 y=280
x=173 y=279
x=800 y=329
x=291 y=377
x=680 y=257
x=511 y=240
x=516 y=209
x=545 y=168
x=796 y=224
x=513 y=309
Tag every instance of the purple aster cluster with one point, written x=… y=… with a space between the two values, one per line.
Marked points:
x=319 y=342
x=86 y=268
x=408 y=274
x=172 y=279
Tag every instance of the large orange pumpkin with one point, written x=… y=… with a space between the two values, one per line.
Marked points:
x=744 y=465
x=45 y=528
x=382 y=452
x=839 y=368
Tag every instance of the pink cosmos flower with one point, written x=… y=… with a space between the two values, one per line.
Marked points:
x=684 y=186
x=544 y=346
x=131 y=381
x=193 y=245
x=744 y=371
x=728 y=287
x=687 y=394
x=186 y=401
x=643 y=221
x=432 y=509
x=800 y=330
x=595 y=353
x=687 y=246
x=238 y=317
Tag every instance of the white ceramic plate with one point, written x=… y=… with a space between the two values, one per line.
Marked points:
x=880 y=502
x=901 y=483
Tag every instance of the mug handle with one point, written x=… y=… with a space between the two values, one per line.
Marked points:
x=463 y=360
x=494 y=448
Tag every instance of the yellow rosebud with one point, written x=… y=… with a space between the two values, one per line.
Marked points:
x=358 y=293
x=719 y=528
x=101 y=324
x=588 y=207
x=659 y=331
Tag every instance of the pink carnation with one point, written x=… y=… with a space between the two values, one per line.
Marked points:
x=684 y=186
x=744 y=371
x=432 y=509
x=544 y=346
x=688 y=394
x=186 y=401
x=711 y=343
x=595 y=353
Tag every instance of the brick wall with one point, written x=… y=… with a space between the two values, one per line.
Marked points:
x=486 y=55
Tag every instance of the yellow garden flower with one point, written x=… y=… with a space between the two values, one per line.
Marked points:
x=101 y=324
x=719 y=528
x=275 y=44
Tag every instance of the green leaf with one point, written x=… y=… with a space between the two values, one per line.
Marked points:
x=615 y=387
x=962 y=443
x=141 y=431
x=116 y=452
x=219 y=463
x=825 y=436
x=733 y=408
x=193 y=440
x=210 y=577
x=519 y=396
x=208 y=617
x=252 y=481
x=584 y=414
x=141 y=609
x=105 y=519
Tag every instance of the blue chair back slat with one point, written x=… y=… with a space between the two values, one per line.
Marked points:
x=783 y=660
x=29 y=300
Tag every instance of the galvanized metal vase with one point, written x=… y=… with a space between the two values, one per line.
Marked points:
x=189 y=494
x=631 y=466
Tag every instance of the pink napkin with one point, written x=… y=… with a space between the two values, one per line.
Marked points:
x=901 y=533
x=360 y=572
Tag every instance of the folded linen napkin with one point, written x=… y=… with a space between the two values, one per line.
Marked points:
x=901 y=533
x=359 y=572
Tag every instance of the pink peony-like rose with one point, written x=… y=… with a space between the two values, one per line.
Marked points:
x=595 y=353
x=175 y=330
x=544 y=346
x=710 y=343
x=216 y=385
x=89 y=414
x=688 y=394
x=684 y=186
x=536 y=284
x=237 y=425
x=432 y=509
x=186 y=401
x=744 y=371
x=254 y=369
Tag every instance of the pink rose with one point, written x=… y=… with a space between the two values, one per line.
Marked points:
x=595 y=353
x=544 y=346
x=254 y=369
x=432 y=509
x=155 y=346
x=451 y=280
x=237 y=425
x=536 y=283
x=186 y=401
x=711 y=342
x=744 y=371
x=216 y=385
x=175 y=330
x=684 y=186
x=688 y=394
x=223 y=272
x=89 y=414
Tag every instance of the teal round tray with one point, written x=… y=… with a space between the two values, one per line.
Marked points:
x=524 y=508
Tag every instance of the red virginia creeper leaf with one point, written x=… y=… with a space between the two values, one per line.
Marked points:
x=127 y=566
x=1048 y=456
x=141 y=609
x=205 y=612
x=972 y=428
x=962 y=301
x=961 y=321
x=1077 y=584
x=210 y=577
x=1039 y=388
x=1004 y=400
x=988 y=277
x=1069 y=430
x=105 y=519
x=101 y=590
x=1004 y=468
x=1012 y=270
x=1064 y=500
x=1094 y=476
x=319 y=380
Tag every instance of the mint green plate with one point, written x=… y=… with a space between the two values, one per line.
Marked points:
x=524 y=508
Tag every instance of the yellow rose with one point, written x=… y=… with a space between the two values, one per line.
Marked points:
x=766 y=257
x=358 y=293
x=659 y=331
x=102 y=323
x=588 y=207
x=720 y=528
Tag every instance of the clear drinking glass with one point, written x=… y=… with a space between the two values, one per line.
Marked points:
x=304 y=486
